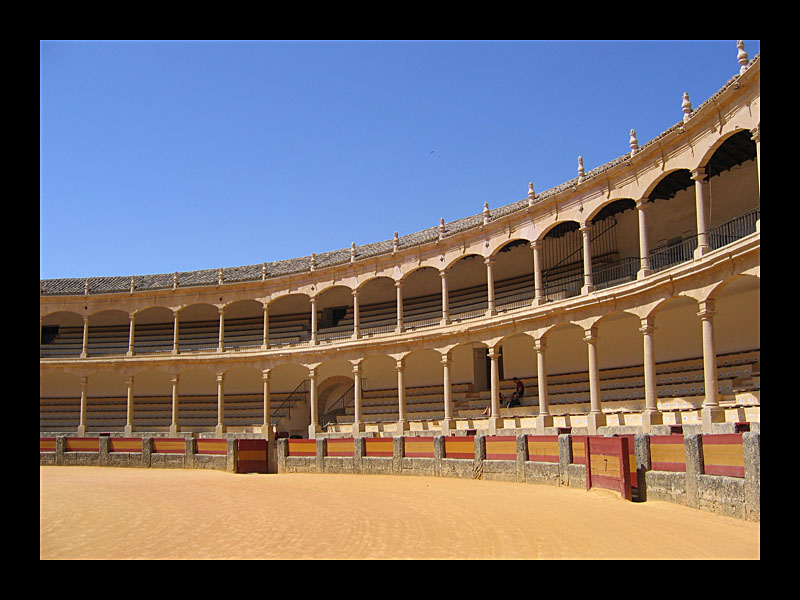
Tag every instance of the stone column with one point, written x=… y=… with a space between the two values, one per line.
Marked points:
x=701 y=208
x=313 y=428
x=84 y=399
x=358 y=422
x=220 y=429
x=544 y=419
x=265 y=344
x=313 y=301
x=445 y=299
x=711 y=412
x=596 y=417
x=129 y=412
x=757 y=139
x=402 y=423
x=356 y=317
x=85 y=349
x=399 y=286
x=175 y=348
x=537 y=272
x=447 y=423
x=221 y=329
x=132 y=318
x=494 y=383
x=586 y=230
x=491 y=310
x=266 y=429
x=651 y=416
x=644 y=246
x=174 y=427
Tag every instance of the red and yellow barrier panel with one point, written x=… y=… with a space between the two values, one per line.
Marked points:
x=723 y=454
x=302 y=447
x=341 y=447
x=125 y=445
x=169 y=446
x=501 y=447
x=578 y=449
x=608 y=464
x=47 y=444
x=459 y=446
x=378 y=447
x=667 y=453
x=542 y=448
x=418 y=447
x=211 y=446
x=82 y=444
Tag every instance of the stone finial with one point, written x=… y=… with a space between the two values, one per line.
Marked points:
x=313 y=261
x=395 y=242
x=352 y=252
x=531 y=193
x=742 y=57
x=686 y=107
x=486 y=213
x=175 y=280
x=86 y=287
x=264 y=272
x=441 y=228
x=634 y=142
x=219 y=276
x=133 y=284
x=581 y=171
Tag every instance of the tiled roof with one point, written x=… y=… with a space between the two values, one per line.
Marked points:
x=100 y=285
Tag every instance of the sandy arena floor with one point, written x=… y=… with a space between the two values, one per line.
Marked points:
x=107 y=513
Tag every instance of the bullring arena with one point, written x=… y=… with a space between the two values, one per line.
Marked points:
x=369 y=386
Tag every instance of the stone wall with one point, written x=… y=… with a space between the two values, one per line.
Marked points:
x=737 y=497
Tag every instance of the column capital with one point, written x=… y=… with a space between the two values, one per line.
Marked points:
x=585 y=228
x=84 y=380
x=265 y=373
x=536 y=244
x=756 y=131
x=129 y=380
x=355 y=293
x=590 y=335
x=647 y=325
x=539 y=344
x=699 y=173
x=220 y=377
x=446 y=359
x=357 y=370
x=221 y=309
x=312 y=372
x=398 y=284
x=174 y=379
x=443 y=273
x=312 y=299
x=492 y=353
x=707 y=309
x=642 y=203
x=488 y=261
x=132 y=316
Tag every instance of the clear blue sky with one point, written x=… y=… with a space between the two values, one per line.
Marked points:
x=158 y=157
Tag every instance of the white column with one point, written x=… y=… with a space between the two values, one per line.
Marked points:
x=445 y=299
x=266 y=429
x=85 y=350
x=358 y=421
x=84 y=399
x=175 y=348
x=313 y=428
x=313 y=320
x=399 y=286
x=586 y=230
x=537 y=272
x=132 y=318
x=494 y=383
x=401 y=396
x=356 y=317
x=596 y=416
x=221 y=329
x=174 y=427
x=220 y=429
x=644 y=246
x=266 y=326
x=447 y=423
x=651 y=415
x=711 y=412
x=491 y=310
x=701 y=209
x=544 y=419
x=129 y=412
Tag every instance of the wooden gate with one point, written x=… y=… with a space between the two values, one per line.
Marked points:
x=608 y=464
x=251 y=456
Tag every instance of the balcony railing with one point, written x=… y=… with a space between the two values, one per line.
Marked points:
x=617 y=273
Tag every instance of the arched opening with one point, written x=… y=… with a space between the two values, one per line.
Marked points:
x=562 y=261
x=109 y=333
x=197 y=400
x=152 y=400
x=289 y=320
x=512 y=272
x=244 y=399
x=289 y=391
x=153 y=331
x=377 y=306
x=615 y=244
x=198 y=328
x=335 y=314
x=244 y=325
x=422 y=298
x=62 y=335
x=59 y=402
x=672 y=220
x=467 y=288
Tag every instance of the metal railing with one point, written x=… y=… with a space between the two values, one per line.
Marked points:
x=339 y=406
x=616 y=273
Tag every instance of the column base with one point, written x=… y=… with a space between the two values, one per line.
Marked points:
x=651 y=417
x=539 y=301
x=587 y=289
x=594 y=421
x=543 y=421
x=81 y=430
x=358 y=427
x=701 y=251
x=174 y=429
x=128 y=430
x=219 y=429
x=710 y=415
x=447 y=425
x=642 y=273
x=402 y=426
x=313 y=430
